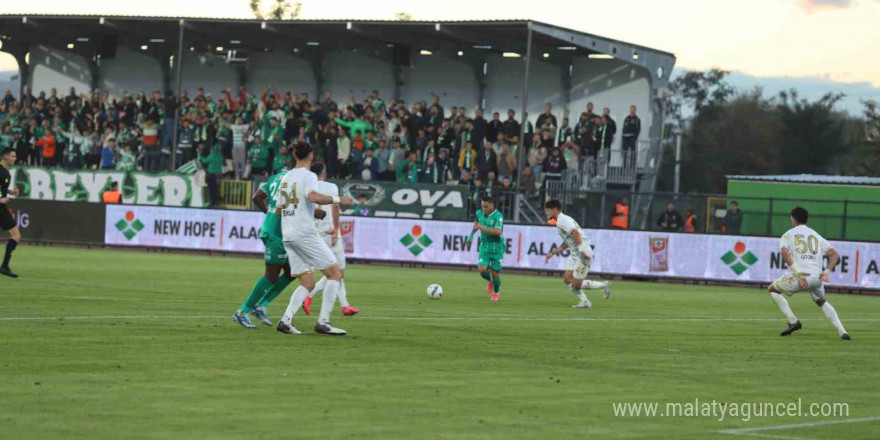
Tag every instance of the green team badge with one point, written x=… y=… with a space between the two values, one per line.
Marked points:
x=129 y=226
x=739 y=259
x=415 y=241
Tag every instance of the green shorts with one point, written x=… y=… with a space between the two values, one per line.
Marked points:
x=490 y=259
x=275 y=253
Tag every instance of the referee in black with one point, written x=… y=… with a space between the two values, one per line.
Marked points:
x=7 y=160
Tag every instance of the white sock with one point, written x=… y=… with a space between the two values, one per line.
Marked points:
x=342 y=295
x=783 y=305
x=832 y=316
x=330 y=291
x=594 y=284
x=318 y=287
x=579 y=293
x=296 y=300
x=583 y=297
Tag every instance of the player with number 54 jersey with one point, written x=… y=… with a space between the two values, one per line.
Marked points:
x=295 y=204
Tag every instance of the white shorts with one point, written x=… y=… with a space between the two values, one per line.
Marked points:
x=338 y=249
x=788 y=284
x=579 y=265
x=307 y=253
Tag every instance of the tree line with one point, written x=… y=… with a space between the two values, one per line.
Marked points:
x=726 y=132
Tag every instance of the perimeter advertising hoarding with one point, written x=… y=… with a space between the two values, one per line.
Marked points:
x=58 y=222
x=696 y=256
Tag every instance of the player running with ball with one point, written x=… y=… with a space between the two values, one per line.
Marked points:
x=578 y=263
x=803 y=250
x=490 y=223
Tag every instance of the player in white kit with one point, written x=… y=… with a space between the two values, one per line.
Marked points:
x=577 y=266
x=328 y=230
x=803 y=249
x=295 y=205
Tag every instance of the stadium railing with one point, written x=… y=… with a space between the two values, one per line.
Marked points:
x=236 y=194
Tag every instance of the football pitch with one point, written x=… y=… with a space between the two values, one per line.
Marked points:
x=108 y=344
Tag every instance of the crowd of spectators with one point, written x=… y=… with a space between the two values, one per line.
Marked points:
x=240 y=134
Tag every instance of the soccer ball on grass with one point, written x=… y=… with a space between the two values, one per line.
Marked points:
x=435 y=291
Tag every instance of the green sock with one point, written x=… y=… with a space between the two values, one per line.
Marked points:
x=496 y=283
x=276 y=290
x=486 y=275
x=263 y=285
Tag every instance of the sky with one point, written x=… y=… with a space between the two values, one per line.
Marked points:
x=809 y=42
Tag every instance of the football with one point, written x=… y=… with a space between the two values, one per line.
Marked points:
x=435 y=291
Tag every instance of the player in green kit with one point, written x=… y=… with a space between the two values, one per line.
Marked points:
x=490 y=223
x=270 y=285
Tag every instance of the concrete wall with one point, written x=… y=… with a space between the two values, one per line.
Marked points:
x=60 y=69
x=130 y=71
x=351 y=72
x=284 y=72
x=213 y=75
x=452 y=80
x=505 y=82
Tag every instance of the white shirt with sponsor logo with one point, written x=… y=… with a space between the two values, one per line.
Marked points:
x=325 y=226
x=807 y=248
x=297 y=212
x=565 y=226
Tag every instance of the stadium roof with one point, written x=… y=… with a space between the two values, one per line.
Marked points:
x=813 y=178
x=158 y=36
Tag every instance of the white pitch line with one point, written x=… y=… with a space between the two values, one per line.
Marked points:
x=781 y=437
x=753 y=431
x=417 y=318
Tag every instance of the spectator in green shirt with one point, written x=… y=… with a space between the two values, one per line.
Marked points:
x=213 y=162
x=357 y=126
x=361 y=209
x=273 y=135
x=408 y=170
x=370 y=143
x=282 y=159
x=259 y=155
x=126 y=159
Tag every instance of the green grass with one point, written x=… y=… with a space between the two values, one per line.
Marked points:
x=141 y=345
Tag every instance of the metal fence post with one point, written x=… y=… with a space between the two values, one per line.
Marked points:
x=770 y=218
x=516 y=205
x=843 y=223
x=178 y=63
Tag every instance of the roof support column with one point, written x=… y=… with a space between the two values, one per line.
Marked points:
x=24 y=73
x=566 y=91
x=94 y=73
x=521 y=150
x=178 y=64
x=241 y=77
x=397 y=74
x=479 y=69
x=316 y=60
x=167 y=75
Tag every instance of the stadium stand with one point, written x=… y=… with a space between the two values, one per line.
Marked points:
x=367 y=139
